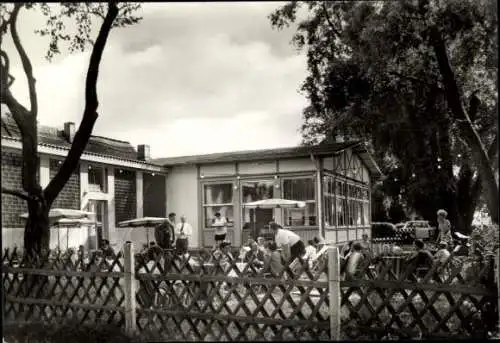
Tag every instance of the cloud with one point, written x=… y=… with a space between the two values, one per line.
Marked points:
x=192 y=78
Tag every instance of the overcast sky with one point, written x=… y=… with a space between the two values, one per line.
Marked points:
x=191 y=78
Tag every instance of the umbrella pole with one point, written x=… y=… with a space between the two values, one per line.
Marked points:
x=147 y=235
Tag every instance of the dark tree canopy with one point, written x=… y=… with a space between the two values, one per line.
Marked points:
x=375 y=73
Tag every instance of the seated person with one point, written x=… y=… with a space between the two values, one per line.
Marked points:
x=261 y=242
x=311 y=250
x=149 y=264
x=274 y=260
x=254 y=256
x=421 y=258
x=107 y=249
x=442 y=254
x=223 y=255
x=245 y=249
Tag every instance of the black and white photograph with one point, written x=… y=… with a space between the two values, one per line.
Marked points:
x=249 y=171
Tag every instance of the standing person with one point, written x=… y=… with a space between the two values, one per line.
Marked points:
x=219 y=223
x=444 y=227
x=164 y=233
x=366 y=246
x=353 y=261
x=346 y=249
x=289 y=241
x=183 y=231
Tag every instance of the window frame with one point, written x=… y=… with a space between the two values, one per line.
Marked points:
x=305 y=209
x=204 y=206
x=104 y=177
x=354 y=198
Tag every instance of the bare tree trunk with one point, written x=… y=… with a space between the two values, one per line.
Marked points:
x=37 y=229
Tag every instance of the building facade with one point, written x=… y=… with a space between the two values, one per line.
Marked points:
x=113 y=180
x=333 y=180
x=117 y=182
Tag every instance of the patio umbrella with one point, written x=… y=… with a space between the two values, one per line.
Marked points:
x=146 y=222
x=58 y=216
x=67 y=222
x=275 y=203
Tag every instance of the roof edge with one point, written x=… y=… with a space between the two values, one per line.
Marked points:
x=14 y=139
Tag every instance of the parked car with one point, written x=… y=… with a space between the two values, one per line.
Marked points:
x=383 y=230
x=417 y=229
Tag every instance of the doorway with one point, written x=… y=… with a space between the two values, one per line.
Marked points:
x=98 y=207
x=255 y=220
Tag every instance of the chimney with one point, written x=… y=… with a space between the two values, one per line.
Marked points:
x=143 y=152
x=69 y=131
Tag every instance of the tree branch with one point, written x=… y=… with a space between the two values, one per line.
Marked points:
x=329 y=21
x=89 y=114
x=28 y=69
x=18 y=194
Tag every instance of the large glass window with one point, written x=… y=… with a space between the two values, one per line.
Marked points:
x=346 y=204
x=256 y=219
x=218 y=198
x=300 y=189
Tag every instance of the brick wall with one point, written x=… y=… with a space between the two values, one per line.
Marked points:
x=154 y=194
x=125 y=195
x=12 y=206
x=69 y=197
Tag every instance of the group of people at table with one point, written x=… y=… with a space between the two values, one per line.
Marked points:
x=271 y=256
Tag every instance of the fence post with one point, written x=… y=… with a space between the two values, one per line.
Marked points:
x=334 y=292
x=129 y=266
x=497 y=279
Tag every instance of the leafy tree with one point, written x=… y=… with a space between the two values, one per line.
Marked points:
x=398 y=73
x=82 y=15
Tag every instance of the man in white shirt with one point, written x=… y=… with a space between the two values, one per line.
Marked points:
x=289 y=241
x=183 y=232
x=219 y=223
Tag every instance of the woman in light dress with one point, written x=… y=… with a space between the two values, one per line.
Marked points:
x=444 y=227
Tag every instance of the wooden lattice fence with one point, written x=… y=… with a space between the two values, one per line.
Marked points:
x=57 y=287
x=450 y=300
x=233 y=301
x=198 y=297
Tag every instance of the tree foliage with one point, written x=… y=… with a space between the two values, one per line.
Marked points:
x=378 y=70
x=80 y=17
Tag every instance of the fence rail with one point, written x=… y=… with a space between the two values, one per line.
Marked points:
x=194 y=298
